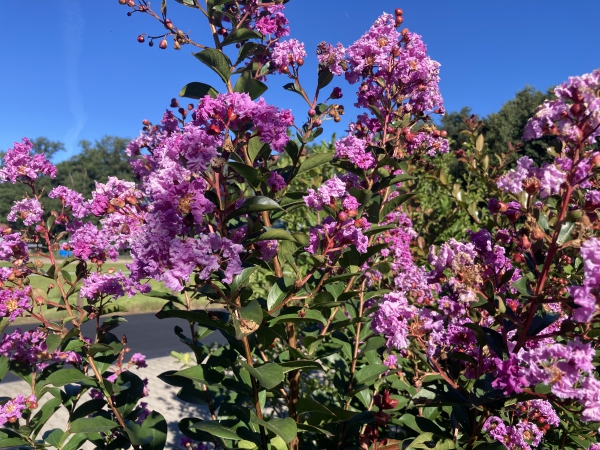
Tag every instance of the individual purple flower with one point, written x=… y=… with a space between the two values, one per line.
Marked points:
x=138 y=360
x=513 y=180
x=267 y=249
x=391 y=361
x=105 y=285
x=21 y=166
x=288 y=53
x=551 y=180
x=12 y=410
x=336 y=93
x=72 y=199
x=592 y=200
x=427 y=143
x=355 y=150
x=392 y=319
x=276 y=182
x=331 y=57
x=333 y=188
x=29 y=210
x=11 y=246
x=585 y=295
x=14 y=302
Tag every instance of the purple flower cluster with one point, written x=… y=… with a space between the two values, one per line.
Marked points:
x=276 y=182
x=573 y=116
x=80 y=208
x=14 y=302
x=29 y=210
x=356 y=151
x=12 y=410
x=548 y=179
x=30 y=348
x=21 y=166
x=331 y=57
x=288 y=53
x=237 y=112
x=11 y=246
x=585 y=296
x=383 y=58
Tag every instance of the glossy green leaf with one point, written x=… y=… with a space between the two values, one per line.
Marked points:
x=393 y=204
x=369 y=373
x=68 y=376
x=92 y=425
x=214 y=428
x=250 y=174
x=155 y=427
x=241 y=34
x=197 y=90
x=246 y=83
x=217 y=61
x=288 y=366
x=268 y=375
x=4 y=365
x=285 y=428
x=255 y=204
x=314 y=161
x=41 y=417
x=201 y=374
x=309 y=315
x=276 y=234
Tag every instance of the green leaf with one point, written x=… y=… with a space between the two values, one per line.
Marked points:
x=241 y=279
x=130 y=390
x=14 y=442
x=284 y=428
x=241 y=34
x=155 y=427
x=251 y=318
x=391 y=180
x=325 y=77
x=4 y=365
x=369 y=373
x=42 y=416
x=293 y=87
x=197 y=90
x=75 y=442
x=68 y=376
x=310 y=315
x=250 y=174
x=268 y=375
x=92 y=425
x=393 y=204
x=522 y=286
x=189 y=3
x=276 y=234
x=246 y=83
x=54 y=437
x=565 y=232
x=255 y=147
x=314 y=161
x=214 y=428
x=255 y=204
x=300 y=365
x=202 y=374
x=217 y=61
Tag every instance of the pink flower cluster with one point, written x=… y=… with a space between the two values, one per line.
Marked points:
x=20 y=165
x=585 y=296
x=574 y=115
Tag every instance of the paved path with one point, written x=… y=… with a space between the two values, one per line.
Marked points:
x=162 y=398
x=154 y=338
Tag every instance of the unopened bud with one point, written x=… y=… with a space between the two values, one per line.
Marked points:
x=524 y=242
x=398 y=11
x=342 y=216
x=168 y=24
x=537 y=233
x=531 y=185
x=285 y=69
x=301 y=313
x=596 y=160
x=174 y=103
x=163 y=44
x=312 y=113
x=141 y=39
x=352 y=213
x=518 y=258
x=117 y=202
x=300 y=61
x=39 y=300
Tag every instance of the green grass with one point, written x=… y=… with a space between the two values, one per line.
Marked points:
x=137 y=304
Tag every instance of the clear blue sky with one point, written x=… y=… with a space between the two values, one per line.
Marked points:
x=72 y=69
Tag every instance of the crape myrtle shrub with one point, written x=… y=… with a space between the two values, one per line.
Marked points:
x=361 y=342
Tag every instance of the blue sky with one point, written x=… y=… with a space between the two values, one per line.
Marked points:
x=72 y=69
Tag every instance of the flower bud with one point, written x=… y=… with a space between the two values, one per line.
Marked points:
x=312 y=113
x=222 y=31
x=399 y=21
x=163 y=44
x=342 y=216
x=538 y=234
x=360 y=223
x=174 y=103
x=301 y=313
x=596 y=161
x=531 y=185
x=300 y=62
x=352 y=213
x=518 y=258
x=398 y=11
x=117 y=202
x=122 y=2
x=285 y=69
x=317 y=123
x=141 y=39
x=168 y=24
x=337 y=93
x=151 y=44
x=524 y=242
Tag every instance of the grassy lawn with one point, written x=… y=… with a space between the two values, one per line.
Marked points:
x=137 y=304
